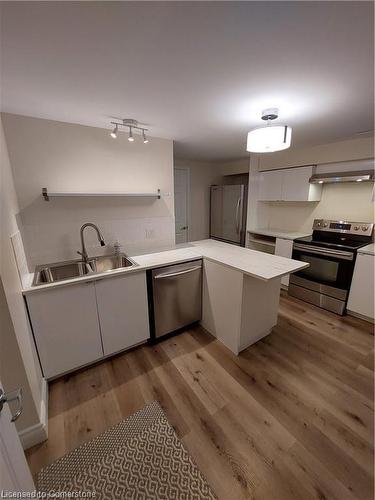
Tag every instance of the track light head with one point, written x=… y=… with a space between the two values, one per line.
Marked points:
x=145 y=140
x=131 y=125
x=114 y=132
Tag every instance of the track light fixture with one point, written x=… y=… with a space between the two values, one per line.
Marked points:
x=131 y=125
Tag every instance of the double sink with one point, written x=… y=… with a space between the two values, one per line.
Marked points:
x=61 y=271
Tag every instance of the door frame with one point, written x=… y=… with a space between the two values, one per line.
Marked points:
x=188 y=203
x=12 y=456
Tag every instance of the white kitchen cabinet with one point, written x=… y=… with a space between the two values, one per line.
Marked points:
x=361 y=295
x=65 y=326
x=77 y=324
x=289 y=184
x=284 y=248
x=296 y=186
x=123 y=311
x=237 y=309
x=270 y=185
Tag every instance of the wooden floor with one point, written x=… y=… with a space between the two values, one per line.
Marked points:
x=290 y=418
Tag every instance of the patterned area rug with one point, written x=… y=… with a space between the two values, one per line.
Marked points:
x=139 y=458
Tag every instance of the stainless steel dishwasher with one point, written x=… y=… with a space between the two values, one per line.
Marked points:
x=175 y=297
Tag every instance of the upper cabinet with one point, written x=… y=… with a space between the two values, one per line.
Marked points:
x=296 y=186
x=289 y=184
x=270 y=185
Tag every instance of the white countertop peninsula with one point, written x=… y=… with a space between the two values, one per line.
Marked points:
x=241 y=287
x=250 y=262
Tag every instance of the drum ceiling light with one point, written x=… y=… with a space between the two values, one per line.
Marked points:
x=270 y=138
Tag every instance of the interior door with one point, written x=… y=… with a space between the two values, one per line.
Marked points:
x=181 y=203
x=15 y=474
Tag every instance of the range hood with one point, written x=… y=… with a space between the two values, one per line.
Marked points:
x=346 y=176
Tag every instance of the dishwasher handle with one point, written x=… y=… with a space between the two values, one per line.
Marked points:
x=172 y=275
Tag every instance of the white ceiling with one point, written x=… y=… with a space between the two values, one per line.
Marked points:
x=197 y=72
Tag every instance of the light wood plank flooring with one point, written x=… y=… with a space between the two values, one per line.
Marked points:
x=290 y=418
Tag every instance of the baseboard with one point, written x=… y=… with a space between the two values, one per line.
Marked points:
x=255 y=339
x=360 y=316
x=37 y=433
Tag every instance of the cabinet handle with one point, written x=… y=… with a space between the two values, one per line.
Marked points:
x=238 y=215
x=171 y=275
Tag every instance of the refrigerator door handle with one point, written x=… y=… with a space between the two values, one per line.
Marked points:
x=238 y=215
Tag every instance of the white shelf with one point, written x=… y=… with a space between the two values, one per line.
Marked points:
x=263 y=242
x=47 y=195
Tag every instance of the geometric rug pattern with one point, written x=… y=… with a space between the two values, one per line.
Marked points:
x=141 y=458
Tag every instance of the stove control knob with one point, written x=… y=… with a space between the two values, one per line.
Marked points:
x=325 y=224
x=356 y=228
x=318 y=224
x=364 y=228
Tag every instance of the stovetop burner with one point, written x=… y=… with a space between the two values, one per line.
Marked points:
x=331 y=252
x=344 y=243
x=339 y=234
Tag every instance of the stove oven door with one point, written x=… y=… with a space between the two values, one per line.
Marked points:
x=326 y=281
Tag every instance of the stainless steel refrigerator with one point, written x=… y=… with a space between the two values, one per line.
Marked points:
x=228 y=213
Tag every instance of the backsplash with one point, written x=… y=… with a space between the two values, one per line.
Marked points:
x=49 y=242
x=78 y=158
x=348 y=201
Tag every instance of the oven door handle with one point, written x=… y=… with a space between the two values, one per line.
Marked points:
x=339 y=254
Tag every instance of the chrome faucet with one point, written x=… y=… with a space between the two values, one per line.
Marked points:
x=100 y=238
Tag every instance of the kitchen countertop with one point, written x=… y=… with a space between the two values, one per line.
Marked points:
x=250 y=262
x=280 y=233
x=368 y=249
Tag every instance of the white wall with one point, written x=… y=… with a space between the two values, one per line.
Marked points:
x=12 y=288
x=350 y=149
x=202 y=176
x=240 y=166
x=350 y=201
x=69 y=157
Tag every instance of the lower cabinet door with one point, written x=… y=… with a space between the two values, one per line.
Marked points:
x=361 y=296
x=123 y=311
x=65 y=326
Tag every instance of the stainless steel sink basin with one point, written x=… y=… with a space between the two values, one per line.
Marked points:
x=110 y=262
x=61 y=271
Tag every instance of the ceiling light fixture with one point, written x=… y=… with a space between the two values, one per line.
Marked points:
x=270 y=138
x=131 y=125
x=114 y=132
